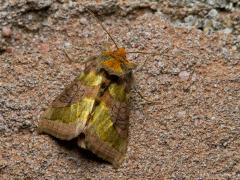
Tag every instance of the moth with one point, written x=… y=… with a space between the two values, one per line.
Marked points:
x=94 y=108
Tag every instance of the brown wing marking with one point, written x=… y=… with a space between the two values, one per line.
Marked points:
x=80 y=87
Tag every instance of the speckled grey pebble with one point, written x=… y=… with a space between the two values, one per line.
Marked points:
x=83 y=21
x=190 y=20
x=40 y=4
x=67 y=45
x=213 y=13
x=6 y=31
x=175 y=71
x=184 y=75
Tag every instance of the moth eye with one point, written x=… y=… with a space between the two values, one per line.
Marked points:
x=114 y=78
x=103 y=85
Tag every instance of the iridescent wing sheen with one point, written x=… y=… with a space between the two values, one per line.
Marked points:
x=106 y=133
x=69 y=112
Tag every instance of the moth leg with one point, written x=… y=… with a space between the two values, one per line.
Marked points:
x=68 y=56
x=138 y=69
x=91 y=58
x=143 y=97
x=72 y=60
x=143 y=64
x=151 y=54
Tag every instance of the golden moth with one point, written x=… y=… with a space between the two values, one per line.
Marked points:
x=95 y=107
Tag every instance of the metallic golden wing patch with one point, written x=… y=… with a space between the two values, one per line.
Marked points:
x=106 y=133
x=69 y=112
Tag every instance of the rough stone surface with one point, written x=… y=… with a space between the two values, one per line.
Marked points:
x=194 y=130
x=6 y=32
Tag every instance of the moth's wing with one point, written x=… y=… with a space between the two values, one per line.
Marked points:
x=106 y=134
x=68 y=114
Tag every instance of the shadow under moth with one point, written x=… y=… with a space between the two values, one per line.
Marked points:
x=94 y=108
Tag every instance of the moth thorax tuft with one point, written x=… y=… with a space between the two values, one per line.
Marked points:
x=121 y=52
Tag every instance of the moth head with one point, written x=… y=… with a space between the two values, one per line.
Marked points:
x=116 y=62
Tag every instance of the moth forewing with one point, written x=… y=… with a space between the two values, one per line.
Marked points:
x=67 y=115
x=95 y=106
x=107 y=131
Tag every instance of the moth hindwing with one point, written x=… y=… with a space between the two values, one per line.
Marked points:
x=95 y=107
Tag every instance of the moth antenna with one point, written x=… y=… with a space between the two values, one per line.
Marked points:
x=140 y=52
x=103 y=27
x=152 y=53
